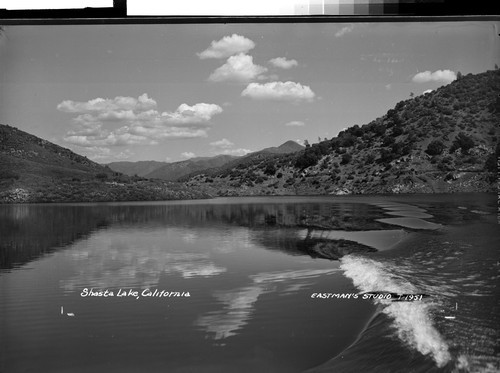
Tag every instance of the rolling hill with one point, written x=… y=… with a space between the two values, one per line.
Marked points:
x=36 y=170
x=442 y=141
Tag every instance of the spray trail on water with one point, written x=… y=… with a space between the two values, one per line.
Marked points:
x=411 y=319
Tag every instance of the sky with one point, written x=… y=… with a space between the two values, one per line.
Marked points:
x=170 y=92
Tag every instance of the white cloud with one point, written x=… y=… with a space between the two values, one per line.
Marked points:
x=281 y=91
x=239 y=68
x=192 y=114
x=295 y=123
x=104 y=154
x=383 y=57
x=120 y=137
x=161 y=132
x=118 y=104
x=445 y=76
x=283 y=63
x=344 y=30
x=427 y=91
x=237 y=152
x=131 y=121
x=188 y=155
x=222 y=144
x=126 y=154
x=227 y=46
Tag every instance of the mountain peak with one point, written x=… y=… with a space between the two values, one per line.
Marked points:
x=289 y=146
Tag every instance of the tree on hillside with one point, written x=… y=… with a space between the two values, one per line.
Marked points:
x=346 y=158
x=101 y=176
x=270 y=169
x=347 y=140
x=309 y=158
x=463 y=142
x=435 y=147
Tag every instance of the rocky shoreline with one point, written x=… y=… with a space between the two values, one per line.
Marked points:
x=100 y=192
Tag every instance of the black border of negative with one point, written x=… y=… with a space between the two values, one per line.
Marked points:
x=383 y=11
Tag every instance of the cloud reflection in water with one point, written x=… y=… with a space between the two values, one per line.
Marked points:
x=117 y=259
x=239 y=304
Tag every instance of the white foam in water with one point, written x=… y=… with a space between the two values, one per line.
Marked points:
x=411 y=319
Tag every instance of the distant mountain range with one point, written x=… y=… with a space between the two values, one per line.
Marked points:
x=178 y=170
x=169 y=171
x=140 y=168
x=268 y=154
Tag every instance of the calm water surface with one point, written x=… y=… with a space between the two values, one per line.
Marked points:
x=249 y=279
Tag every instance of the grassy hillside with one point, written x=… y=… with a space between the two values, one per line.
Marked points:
x=35 y=170
x=443 y=141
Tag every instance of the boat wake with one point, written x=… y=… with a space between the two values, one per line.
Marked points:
x=411 y=320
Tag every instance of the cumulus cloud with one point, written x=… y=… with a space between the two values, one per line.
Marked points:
x=280 y=91
x=188 y=155
x=222 y=144
x=118 y=104
x=227 y=46
x=445 y=76
x=197 y=113
x=344 y=30
x=104 y=154
x=427 y=91
x=131 y=121
x=160 y=132
x=238 y=152
x=295 y=123
x=383 y=57
x=239 y=68
x=283 y=63
x=109 y=139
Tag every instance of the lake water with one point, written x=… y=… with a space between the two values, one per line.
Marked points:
x=246 y=284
